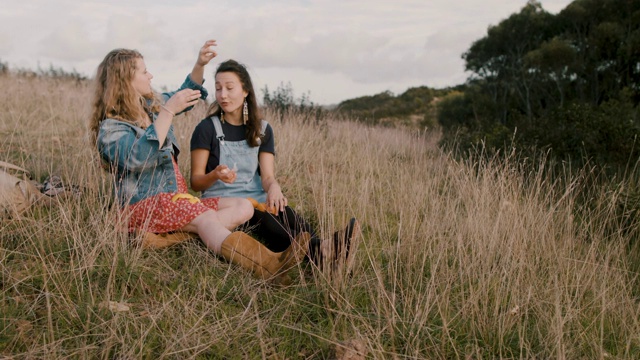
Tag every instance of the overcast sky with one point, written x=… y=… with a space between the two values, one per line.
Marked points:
x=334 y=50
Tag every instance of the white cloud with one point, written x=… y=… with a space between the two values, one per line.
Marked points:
x=67 y=43
x=334 y=49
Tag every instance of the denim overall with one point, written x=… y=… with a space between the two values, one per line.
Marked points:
x=275 y=231
x=244 y=158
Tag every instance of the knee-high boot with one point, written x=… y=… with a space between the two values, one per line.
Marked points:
x=247 y=252
x=337 y=249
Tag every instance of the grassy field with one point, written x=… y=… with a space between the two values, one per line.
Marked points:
x=457 y=260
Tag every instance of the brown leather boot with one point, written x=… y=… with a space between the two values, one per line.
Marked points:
x=337 y=249
x=241 y=249
x=157 y=241
x=300 y=247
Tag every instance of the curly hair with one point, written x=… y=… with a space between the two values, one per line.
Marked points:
x=114 y=95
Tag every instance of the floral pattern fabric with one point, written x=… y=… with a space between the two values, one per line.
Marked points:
x=161 y=214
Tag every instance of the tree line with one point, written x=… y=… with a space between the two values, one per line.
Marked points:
x=566 y=84
x=415 y=107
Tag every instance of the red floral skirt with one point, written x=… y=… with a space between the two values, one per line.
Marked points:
x=167 y=212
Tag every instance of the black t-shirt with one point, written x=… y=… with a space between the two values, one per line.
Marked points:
x=205 y=137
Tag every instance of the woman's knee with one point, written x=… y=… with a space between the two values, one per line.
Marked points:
x=201 y=220
x=245 y=210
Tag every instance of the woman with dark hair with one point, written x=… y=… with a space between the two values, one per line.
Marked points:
x=133 y=130
x=233 y=155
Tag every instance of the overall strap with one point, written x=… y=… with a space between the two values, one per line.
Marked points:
x=263 y=130
x=218 y=126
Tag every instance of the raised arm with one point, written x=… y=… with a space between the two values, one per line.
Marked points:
x=188 y=94
x=205 y=55
x=180 y=101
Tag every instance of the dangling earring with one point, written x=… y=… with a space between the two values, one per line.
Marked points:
x=221 y=116
x=245 y=111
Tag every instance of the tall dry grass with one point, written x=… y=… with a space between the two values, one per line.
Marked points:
x=458 y=259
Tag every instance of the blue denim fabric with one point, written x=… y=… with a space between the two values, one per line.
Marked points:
x=141 y=167
x=187 y=84
x=243 y=157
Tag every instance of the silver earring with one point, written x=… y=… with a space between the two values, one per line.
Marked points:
x=221 y=116
x=245 y=111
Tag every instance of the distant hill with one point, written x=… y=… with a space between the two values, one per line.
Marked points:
x=416 y=107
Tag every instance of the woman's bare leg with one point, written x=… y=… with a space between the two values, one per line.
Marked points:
x=234 y=211
x=210 y=229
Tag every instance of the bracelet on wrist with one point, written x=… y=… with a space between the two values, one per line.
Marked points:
x=167 y=110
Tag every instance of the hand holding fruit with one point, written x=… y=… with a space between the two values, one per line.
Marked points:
x=225 y=174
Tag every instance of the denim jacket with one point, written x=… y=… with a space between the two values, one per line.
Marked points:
x=141 y=167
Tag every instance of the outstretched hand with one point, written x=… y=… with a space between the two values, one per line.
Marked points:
x=182 y=100
x=207 y=53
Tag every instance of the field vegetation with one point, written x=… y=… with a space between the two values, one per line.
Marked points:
x=478 y=258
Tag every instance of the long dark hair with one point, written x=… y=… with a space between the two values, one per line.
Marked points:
x=253 y=123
